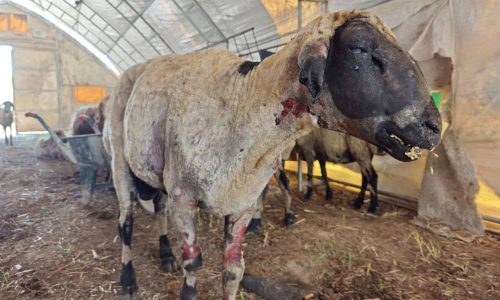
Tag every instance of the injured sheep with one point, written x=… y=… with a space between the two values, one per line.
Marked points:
x=216 y=124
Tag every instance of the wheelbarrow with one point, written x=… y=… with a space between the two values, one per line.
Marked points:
x=86 y=151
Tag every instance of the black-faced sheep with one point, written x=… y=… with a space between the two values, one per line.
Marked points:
x=216 y=125
x=83 y=121
x=326 y=145
x=89 y=119
x=6 y=119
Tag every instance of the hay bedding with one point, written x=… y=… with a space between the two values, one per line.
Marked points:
x=51 y=248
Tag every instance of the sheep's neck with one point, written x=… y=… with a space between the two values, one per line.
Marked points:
x=280 y=93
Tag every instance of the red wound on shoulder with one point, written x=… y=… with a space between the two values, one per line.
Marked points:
x=291 y=105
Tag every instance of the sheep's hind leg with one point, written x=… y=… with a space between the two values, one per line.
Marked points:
x=123 y=184
x=234 y=265
x=371 y=179
x=310 y=187
x=168 y=262
x=256 y=222
x=358 y=203
x=324 y=175
x=183 y=207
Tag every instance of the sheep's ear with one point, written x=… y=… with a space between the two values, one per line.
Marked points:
x=312 y=62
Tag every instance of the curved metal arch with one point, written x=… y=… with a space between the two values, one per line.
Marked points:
x=86 y=44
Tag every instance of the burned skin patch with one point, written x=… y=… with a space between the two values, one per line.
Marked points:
x=293 y=107
x=368 y=75
x=246 y=67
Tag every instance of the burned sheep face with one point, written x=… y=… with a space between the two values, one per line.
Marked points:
x=367 y=86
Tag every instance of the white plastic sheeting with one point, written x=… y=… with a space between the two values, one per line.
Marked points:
x=130 y=32
x=467 y=32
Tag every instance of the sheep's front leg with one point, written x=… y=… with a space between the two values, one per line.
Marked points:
x=10 y=130
x=373 y=191
x=256 y=222
x=183 y=207
x=234 y=265
x=168 y=262
x=284 y=185
x=324 y=175
x=6 y=137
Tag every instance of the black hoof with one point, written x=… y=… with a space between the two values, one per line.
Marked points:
x=308 y=195
x=358 y=203
x=128 y=293
x=169 y=264
x=128 y=283
x=188 y=292
x=254 y=226
x=329 y=196
x=289 y=219
x=373 y=209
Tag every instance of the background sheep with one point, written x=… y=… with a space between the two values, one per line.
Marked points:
x=47 y=149
x=6 y=119
x=325 y=145
x=79 y=123
x=89 y=119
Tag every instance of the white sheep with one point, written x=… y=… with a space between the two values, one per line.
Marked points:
x=47 y=149
x=216 y=124
x=6 y=119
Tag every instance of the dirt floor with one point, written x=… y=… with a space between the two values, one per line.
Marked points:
x=53 y=248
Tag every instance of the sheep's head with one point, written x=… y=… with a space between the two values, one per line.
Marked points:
x=361 y=82
x=7 y=106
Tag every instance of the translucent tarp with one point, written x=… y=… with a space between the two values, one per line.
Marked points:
x=130 y=32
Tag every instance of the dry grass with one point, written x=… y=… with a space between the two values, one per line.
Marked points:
x=66 y=251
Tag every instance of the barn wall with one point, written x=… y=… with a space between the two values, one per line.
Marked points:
x=47 y=65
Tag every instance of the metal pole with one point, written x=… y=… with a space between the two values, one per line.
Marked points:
x=299 y=173
x=299 y=16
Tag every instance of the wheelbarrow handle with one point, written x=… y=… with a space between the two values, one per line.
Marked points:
x=59 y=142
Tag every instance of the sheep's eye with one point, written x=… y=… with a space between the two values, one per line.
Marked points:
x=357 y=50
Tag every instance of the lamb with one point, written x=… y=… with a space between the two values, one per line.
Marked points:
x=6 y=119
x=325 y=145
x=47 y=149
x=216 y=125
